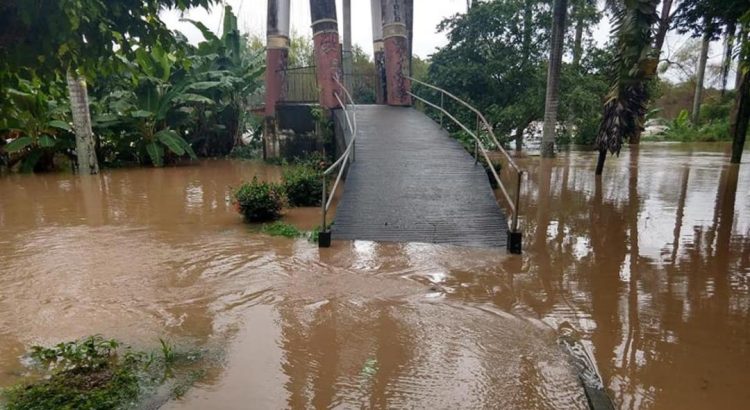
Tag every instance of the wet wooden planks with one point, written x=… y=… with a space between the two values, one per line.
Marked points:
x=411 y=182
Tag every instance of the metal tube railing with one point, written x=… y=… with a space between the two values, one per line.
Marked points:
x=346 y=158
x=512 y=203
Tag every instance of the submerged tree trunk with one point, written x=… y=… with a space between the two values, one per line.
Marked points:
x=553 y=78
x=741 y=115
x=600 y=162
x=698 y=97
x=79 y=106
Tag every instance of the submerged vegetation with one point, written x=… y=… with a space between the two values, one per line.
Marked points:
x=96 y=373
x=259 y=201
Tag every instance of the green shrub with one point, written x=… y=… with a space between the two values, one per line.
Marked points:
x=259 y=201
x=303 y=185
x=682 y=130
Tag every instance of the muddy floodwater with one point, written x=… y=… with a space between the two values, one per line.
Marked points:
x=651 y=266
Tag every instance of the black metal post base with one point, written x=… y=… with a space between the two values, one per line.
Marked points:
x=515 y=242
x=324 y=239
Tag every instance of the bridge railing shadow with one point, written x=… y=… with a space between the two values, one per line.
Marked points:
x=485 y=144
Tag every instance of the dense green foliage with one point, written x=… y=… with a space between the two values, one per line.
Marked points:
x=496 y=59
x=259 y=201
x=161 y=101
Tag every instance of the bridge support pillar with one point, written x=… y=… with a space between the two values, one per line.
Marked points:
x=396 y=45
x=327 y=50
x=277 y=53
x=381 y=91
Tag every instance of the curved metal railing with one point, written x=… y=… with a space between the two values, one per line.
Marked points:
x=512 y=203
x=346 y=158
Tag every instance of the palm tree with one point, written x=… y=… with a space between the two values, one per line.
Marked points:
x=551 y=101
x=634 y=64
x=79 y=107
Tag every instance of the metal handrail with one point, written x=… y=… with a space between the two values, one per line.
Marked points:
x=513 y=204
x=347 y=157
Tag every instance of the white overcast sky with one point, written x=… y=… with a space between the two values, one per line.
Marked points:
x=428 y=14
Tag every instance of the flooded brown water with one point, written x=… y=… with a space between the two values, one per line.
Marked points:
x=651 y=266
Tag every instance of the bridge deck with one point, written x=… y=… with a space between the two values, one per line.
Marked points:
x=411 y=182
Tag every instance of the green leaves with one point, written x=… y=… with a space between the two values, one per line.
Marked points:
x=18 y=144
x=156 y=153
x=62 y=125
x=171 y=140
x=45 y=141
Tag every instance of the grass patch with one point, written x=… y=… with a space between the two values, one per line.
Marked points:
x=96 y=373
x=281 y=229
x=290 y=231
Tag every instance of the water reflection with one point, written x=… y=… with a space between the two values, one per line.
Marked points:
x=660 y=287
x=651 y=264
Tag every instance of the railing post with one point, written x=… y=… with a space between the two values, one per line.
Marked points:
x=324 y=237
x=476 y=152
x=442 y=107
x=515 y=238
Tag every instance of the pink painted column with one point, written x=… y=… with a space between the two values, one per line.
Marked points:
x=277 y=53
x=327 y=50
x=396 y=44
x=381 y=92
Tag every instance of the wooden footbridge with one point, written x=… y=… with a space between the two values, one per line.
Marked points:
x=407 y=180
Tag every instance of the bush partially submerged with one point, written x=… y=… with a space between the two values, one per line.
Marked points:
x=97 y=373
x=259 y=201
x=303 y=185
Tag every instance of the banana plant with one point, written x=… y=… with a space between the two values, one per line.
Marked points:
x=37 y=123
x=157 y=101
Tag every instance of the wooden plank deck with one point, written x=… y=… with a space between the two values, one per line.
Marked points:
x=411 y=182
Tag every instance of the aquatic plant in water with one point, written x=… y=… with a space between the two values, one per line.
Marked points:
x=97 y=373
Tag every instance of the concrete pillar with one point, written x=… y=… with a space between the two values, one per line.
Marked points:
x=347 y=46
x=381 y=92
x=277 y=53
x=327 y=50
x=396 y=44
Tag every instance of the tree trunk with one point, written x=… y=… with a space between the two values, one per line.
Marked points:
x=600 y=162
x=519 y=138
x=698 y=97
x=79 y=106
x=661 y=34
x=741 y=57
x=726 y=64
x=553 y=78
x=527 y=29
x=740 y=116
x=664 y=20
x=577 y=45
